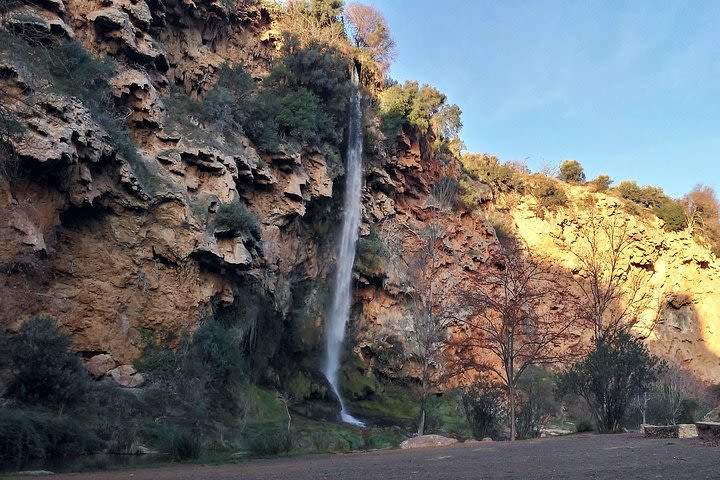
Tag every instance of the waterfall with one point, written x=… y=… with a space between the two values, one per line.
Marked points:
x=340 y=312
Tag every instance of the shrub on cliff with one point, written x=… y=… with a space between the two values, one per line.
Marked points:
x=48 y=371
x=236 y=218
x=673 y=214
x=500 y=177
x=549 y=193
x=571 y=171
x=601 y=183
x=423 y=107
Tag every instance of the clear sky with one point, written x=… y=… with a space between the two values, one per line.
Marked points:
x=628 y=88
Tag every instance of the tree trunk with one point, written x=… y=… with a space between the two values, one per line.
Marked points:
x=512 y=413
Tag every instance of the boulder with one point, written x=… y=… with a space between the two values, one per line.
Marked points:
x=99 y=365
x=126 y=376
x=424 y=441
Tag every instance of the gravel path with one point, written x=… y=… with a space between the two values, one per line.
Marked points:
x=625 y=457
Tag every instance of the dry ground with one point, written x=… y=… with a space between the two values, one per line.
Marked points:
x=625 y=456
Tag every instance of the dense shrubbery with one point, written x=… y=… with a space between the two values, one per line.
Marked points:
x=425 y=108
x=665 y=208
x=615 y=372
x=305 y=98
x=27 y=435
x=483 y=405
x=47 y=370
x=536 y=403
x=236 y=218
x=500 y=177
x=370 y=256
x=601 y=183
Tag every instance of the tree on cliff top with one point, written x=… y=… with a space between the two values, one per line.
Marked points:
x=369 y=33
x=572 y=171
x=515 y=322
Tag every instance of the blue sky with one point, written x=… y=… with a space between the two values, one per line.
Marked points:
x=628 y=88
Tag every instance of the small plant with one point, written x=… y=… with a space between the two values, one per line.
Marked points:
x=184 y=445
x=237 y=218
x=583 y=426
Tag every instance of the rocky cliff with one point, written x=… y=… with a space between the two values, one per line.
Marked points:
x=114 y=246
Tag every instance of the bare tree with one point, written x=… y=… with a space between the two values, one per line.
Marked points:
x=369 y=32
x=614 y=294
x=430 y=302
x=702 y=209
x=515 y=321
x=428 y=305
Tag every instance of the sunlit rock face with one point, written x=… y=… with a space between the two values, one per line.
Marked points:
x=684 y=277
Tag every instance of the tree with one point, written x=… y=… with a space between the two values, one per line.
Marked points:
x=702 y=209
x=312 y=21
x=369 y=32
x=431 y=305
x=617 y=370
x=47 y=370
x=613 y=294
x=514 y=322
x=572 y=171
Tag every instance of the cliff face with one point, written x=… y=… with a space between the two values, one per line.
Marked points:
x=108 y=246
x=682 y=277
x=111 y=247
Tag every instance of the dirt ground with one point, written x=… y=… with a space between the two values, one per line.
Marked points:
x=626 y=456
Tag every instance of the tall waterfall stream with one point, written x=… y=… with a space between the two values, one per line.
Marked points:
x=339 y=314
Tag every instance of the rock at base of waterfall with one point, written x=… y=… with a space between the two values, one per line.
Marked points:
x=425 y=441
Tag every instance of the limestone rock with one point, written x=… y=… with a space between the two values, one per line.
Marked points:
x=425 y=441
x=99 y=365
x=126 y=376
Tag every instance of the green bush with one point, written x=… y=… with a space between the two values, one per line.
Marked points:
x=236 y=217
x=549 y=193
x=673 y=214
x=536 y=402
x=423 y=107
x=617 y=370
x=601 y=183
x=47 y=371
x=371 y=256
x=27 y=435
x=648 y=197
x=571 y=171
x=484 y=409
x=583 y=426
x=271 y=441
x=184 y=445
